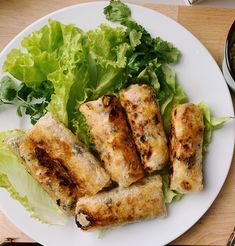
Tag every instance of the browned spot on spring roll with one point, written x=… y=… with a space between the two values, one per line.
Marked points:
x=49 y=172
x=60 y=162
x=112 y=139
x=142 y=200
x=186 y=142
x=145 y=119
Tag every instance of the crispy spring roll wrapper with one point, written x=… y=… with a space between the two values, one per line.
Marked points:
x=50 y=150
x=142 y=200
x=112 y=138
x=144 y=116
x=187 y=128
x=50 y=174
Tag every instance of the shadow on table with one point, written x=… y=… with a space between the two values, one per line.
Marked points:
x=20 y=244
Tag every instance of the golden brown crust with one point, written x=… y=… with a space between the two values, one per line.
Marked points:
x=49 y=172
x=145 y=119
x=112 y=139
x=187 y=128
x=62 y=164
x=142 y=200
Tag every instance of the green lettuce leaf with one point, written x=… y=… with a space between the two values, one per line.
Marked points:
x=69 y=49
x=100 y=71
x=211 y=124
x=53 y=53
x=147 y=60
x=83 y=66
x=107 y=46
x=169 y=195
x=22 y=66
x=42 y=56
x=177 y=97
x=58 y=104
x=8 y=89
x=23 y=187
x=170 y=94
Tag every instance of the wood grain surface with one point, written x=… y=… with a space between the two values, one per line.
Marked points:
x=210 y=26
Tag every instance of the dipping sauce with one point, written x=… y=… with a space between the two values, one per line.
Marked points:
x=232 y=57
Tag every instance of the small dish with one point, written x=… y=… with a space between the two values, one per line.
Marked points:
x=228 y=65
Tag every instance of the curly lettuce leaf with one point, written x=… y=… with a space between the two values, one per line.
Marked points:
x=101 y=70
x=107 y=46
x=23 y=67
x=23 y=187
x=42 y=56
x=52 y=55
x=83 y=66
x=211 y=124
x=58 y=104
x=169 y=93
x=148 y=60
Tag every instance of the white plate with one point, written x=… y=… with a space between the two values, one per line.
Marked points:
x=201 y=79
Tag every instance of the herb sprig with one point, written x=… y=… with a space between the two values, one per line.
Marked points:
x=29 y=101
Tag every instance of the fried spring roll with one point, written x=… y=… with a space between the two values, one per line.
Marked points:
x=112 y=138
x=52 y=151
x=50 y=174
x=142 y=200
x=145 y=119
x=186 y=142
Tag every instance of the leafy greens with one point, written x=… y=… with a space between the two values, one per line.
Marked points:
x=75 y=66
x=23 y=187
x=32 y=102
x=61 y=66
x=211 y=124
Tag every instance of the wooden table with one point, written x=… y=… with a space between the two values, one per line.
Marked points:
x=210 y=26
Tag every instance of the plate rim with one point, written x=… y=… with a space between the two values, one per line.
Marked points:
x=47 y=16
